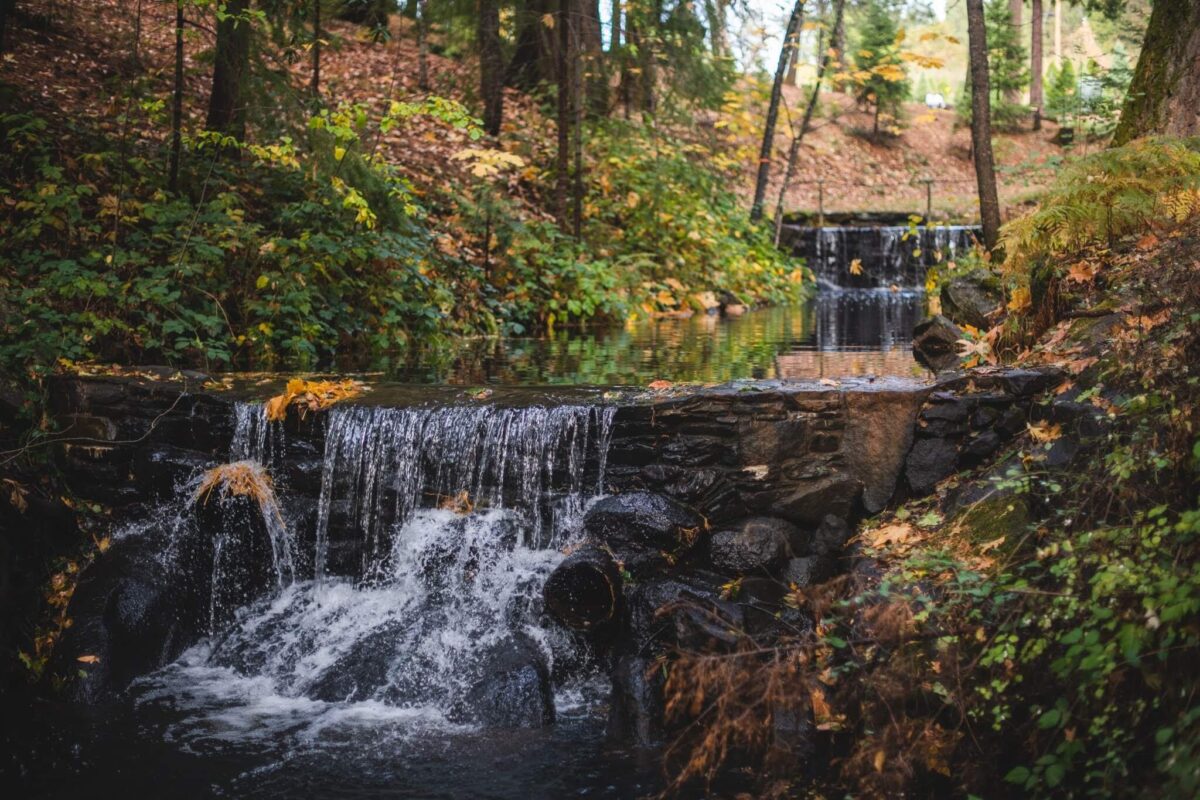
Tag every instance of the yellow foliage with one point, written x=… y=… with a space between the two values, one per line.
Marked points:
x=311 y=396
x=240 y=479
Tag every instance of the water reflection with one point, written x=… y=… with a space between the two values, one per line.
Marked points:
x=836 y=334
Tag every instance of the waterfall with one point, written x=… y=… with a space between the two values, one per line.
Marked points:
x=381 y=464
x=894 y=255
x=456 y=515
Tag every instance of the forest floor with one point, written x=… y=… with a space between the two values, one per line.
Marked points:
x=885 y=174
x=80 y=60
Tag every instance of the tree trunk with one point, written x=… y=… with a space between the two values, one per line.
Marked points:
x=714 y=12
x=584 y=591
x=1015 y=9
x=614 y=39
x=768 y=142
x=981 y=124
x=1037 y=96
x=580 y=37
x=533 y=59
x=226 y=106
x=589 y=47
x=422 y=47
x=563 y=176
x=316 y=59
x=793 y=66
x=6 y=9
x=839 y=7
x=491 y=66
x=176 y=102
x=1164 y=96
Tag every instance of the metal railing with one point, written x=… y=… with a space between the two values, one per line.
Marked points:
x=821 y=183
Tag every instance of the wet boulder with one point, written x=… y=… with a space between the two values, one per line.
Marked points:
x=935 y=342
x=513 y=688
x=130 y=617
x=681 y=612
x=638 y=526
x=970 y=299
x=807 y=571
x=636 y=708
x=758 y=544
x=584 y=591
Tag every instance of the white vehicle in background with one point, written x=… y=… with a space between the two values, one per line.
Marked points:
x=935 y=100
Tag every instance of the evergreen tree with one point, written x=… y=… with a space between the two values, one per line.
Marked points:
x=1007 y=66
x=1062 y=92
x=886 y=87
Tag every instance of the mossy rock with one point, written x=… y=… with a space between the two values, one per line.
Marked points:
x=998 y=514
x=970 y=298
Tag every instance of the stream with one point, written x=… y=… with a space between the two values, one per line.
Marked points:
x=397 y=647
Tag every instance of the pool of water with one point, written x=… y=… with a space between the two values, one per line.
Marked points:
x=151 y=748
x=835 y=334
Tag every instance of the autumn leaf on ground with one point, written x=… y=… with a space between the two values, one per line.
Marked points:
x=16 y=494
x=1083 y=271
x=660 y=385
x=992 y=545
x=1149 y=323
x=1019 y=300
x=1044 y=432
x=88 y=659
x=900 y=533
x=856 y=267
x=1147 y=241
x=823 y=715
x=1080 y=364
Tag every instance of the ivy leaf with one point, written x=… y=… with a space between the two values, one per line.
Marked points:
x=1050 y=719
x=1018 y=775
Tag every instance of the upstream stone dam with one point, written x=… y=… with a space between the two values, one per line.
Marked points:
x=434 y=563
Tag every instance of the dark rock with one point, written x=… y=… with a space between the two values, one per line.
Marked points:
x=972 y=298
x=1012 y=421
x=1028 y=382
x=935 y=342
x=955 y=410
x=131 y=615
x=807 y=571
x=514 y=688
x=665 y=614
x=929 y=461
x=829 y=538
x=584 y=591
x=942 y=429
x=1061 y=453
x=977 y=449
x=160 y=470
x=811 y=501
x=757 y=544
x=635 y=710
x=638 y=525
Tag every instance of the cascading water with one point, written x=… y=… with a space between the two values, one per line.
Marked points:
x=888 y=255
x=456 y=515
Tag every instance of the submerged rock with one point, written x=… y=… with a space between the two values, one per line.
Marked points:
x=513 y=690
